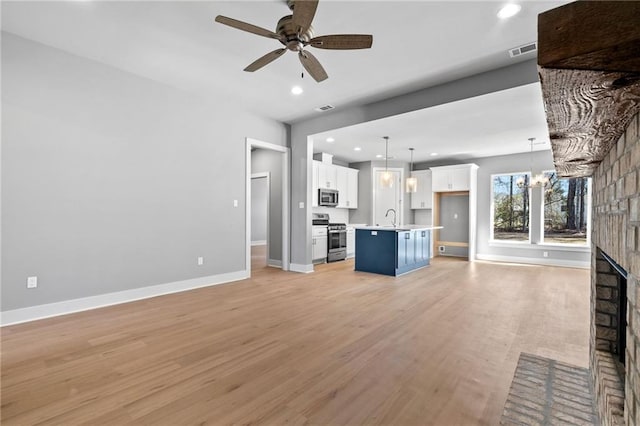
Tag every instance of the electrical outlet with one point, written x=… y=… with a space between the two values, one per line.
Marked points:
x=545 y=254
x=32 y=282
x=441 y=249
x=200 y=261
x=301 y=205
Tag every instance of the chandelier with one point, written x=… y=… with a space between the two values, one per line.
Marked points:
x=538 y=181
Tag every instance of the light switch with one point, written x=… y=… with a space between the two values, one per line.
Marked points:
x=32 y=282
x=235 y=203
x=301 y=205
x=455 y=215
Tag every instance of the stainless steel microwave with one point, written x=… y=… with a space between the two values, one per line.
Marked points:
x=327 y=197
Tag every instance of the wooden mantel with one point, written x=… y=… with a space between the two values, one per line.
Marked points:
x=589 y=67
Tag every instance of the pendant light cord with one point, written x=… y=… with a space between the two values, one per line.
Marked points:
x=386 y=154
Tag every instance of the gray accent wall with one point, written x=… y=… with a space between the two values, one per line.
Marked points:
x=301 y=149
x=267 y=161
x=112 y=182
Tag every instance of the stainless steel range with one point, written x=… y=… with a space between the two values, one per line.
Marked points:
x=337 y=246
x=337 y=241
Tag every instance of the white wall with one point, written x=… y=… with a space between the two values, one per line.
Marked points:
x=112 y=182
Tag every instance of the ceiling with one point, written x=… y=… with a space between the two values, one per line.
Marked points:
x=416 y=44
x=498 y=123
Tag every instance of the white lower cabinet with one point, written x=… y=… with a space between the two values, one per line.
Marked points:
x=319 y=241
x=351 y=242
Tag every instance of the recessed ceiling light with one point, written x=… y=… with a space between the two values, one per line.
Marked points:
x=379 y=156
x=508 y=10
x=330 y=140
x=296 y=90
x=433 y=154
x=357 y=148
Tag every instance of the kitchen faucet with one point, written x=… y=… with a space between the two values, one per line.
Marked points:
x=393 y=222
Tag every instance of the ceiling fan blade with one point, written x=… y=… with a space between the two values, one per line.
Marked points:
x=247 y=27
x=342 y=41
x=264 y=60
x=303 y=13
x=312 y=65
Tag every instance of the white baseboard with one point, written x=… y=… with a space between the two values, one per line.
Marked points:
x=534 y=261
x=32 y=313
x=259 y=243
x=274 y=263
x=297 y=267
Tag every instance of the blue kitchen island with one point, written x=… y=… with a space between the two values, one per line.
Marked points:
x=393 y=250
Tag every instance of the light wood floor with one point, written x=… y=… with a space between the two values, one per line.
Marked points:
x=435 y=347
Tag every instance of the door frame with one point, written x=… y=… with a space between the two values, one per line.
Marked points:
x=400 y=213
x=286 y=155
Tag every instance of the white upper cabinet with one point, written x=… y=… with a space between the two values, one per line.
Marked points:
x=342 y=179
x=327 y=176
x=352 y=188
x=423 y=197
x=452 y=178
x=342 y=186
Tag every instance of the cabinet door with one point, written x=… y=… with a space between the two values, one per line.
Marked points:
x=319 y=247
x=342 y=187
x=314 y=184
x=352 y=188
x=422 y=246
x=423 y=197
x=406 y=249
x=327 y=176
x=440 y=180
x=351 y=242
x=460 y=179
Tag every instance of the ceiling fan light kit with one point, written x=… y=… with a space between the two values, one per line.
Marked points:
x=295 y=33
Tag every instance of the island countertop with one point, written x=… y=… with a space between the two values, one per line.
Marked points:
x=399 y=228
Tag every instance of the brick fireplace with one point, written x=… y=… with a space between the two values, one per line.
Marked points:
x=616 y=241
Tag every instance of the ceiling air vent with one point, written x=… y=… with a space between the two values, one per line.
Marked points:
x=325 y=108
x=521 y=50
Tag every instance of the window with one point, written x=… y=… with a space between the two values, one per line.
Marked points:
x=566 y=207
x=511 y=206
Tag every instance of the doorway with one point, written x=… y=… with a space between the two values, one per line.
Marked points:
x=272 y=161
x=260 y=196
x=385 y=198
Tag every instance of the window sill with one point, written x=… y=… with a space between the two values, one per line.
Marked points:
x=529 y=246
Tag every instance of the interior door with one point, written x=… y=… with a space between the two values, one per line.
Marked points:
x=387 y=198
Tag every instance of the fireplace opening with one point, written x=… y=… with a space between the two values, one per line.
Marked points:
x=611 y=309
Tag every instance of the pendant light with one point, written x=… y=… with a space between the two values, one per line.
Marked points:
x=387 y=177
x=411 y=184
x=537 y=181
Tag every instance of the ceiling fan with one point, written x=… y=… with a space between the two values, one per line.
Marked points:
x=295 y=33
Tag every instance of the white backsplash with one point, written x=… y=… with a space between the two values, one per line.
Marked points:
x=423 y=217
x=335 y=215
